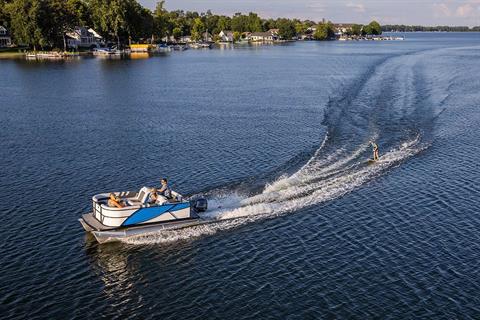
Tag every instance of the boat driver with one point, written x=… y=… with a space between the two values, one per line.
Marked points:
x=165 y=189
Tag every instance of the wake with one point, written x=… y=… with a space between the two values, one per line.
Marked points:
x=303 y=189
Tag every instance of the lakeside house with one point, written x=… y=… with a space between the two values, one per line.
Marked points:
x=274 y=32
x=342 y=28
x=262 y=37
x=81 y=37
x=245 y=36
x=5 y=39
x=226 y=36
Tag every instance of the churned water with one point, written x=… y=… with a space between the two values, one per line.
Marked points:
x=277 y=138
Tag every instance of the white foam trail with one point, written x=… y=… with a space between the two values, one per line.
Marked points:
x=297 y=197
x=316 y=169
x=229 y=212
x=317 y=152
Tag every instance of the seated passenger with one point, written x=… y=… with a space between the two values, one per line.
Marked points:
x=152 y=198
x=115 y=201
x=165 y=189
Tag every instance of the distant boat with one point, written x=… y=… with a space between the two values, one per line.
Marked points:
x=179 y=47
x=45 y=55
x=195 y=45
x=106 y=52
x=162 y=48
x=200 y=45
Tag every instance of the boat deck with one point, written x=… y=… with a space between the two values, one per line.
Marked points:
x=94 y=223
x=90 y=223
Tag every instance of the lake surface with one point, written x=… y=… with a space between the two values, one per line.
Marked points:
x=277 y=138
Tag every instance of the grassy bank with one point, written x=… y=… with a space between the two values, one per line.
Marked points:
x=6 y=53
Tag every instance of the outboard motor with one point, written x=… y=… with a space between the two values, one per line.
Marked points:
x=200 y=205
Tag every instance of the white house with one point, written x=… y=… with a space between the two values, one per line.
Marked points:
x=262 y=37
x=226 y=36
x=82 y=37
x=5 y=40
x=342 y=28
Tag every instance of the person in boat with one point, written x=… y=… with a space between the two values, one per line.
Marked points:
x=153 y=197
x=165 y=189
x=375 y=151
x=115 y=201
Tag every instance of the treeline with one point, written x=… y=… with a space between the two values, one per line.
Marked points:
x=45 y=23
x=405 y=28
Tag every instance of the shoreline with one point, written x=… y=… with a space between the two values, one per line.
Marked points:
x=21 y=52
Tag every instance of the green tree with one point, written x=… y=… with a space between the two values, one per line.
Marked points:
x=211 y=21
x=111 y=18
x=367 y=30
x=177 y=33
x=160 y=20
x=197 y=29
x=324 y=31
x=254 y=23
x=268 y=24
x=375 y=28
x=26 y=22
x=224 y=23
x=239 y=22
x=286 y=29
x=64 y=16
x=243 y=23
x=300 y=28
x=236 y=36
x=139 y=22
x=116 y=18
x=4 y=15
x=356 y=29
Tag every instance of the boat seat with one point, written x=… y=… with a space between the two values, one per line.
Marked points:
x=141 y=198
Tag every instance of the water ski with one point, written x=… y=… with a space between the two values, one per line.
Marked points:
x=371 y=161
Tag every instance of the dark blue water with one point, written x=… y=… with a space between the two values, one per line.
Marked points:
x=278 y=137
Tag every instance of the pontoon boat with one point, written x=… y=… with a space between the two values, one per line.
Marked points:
x=108 y=223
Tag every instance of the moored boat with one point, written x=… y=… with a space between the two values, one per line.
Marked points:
x=106 y=52
x=179 y=47
x=162 y=48
x=137 y=216
x=45 y=55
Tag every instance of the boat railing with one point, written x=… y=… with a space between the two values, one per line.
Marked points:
x=97 y=211
x=102 y=210
x=113 y=216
